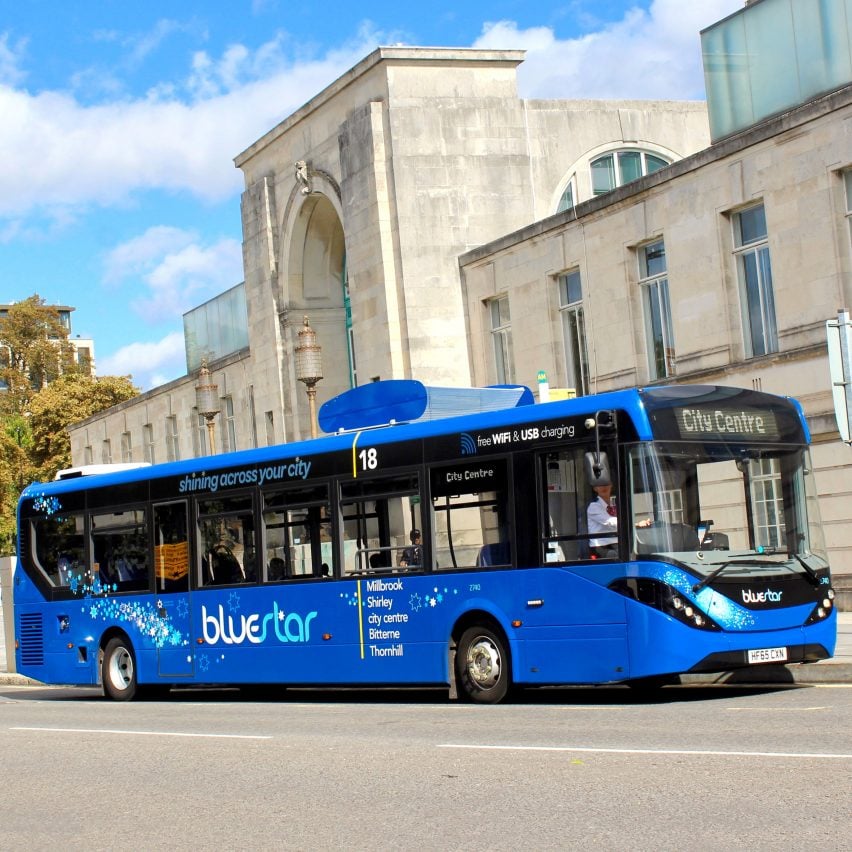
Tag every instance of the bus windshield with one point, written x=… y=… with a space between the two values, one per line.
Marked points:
x=705 y=505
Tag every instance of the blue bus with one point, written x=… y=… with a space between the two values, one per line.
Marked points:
x=417 y=545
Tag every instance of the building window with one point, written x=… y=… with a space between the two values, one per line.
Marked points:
x=574 y=331
x=87 y=455
x=621 y=167
x=767 y=503
x=106 y=451
x=84 y=359
x=501 y=334
x=755 y=276
x=653 y=279
x=252 y=416
x=847 y=180
x=126 y=447
x=172 y=440
x=148 y=442
x=199 y=434
x=270 y=428
x=229 y=438
x=566 y=200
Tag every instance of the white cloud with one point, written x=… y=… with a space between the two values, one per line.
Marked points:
x=189 y=277
x=652 y=54
x=68 y=154
x=178 y=271
x=140 y=254
x=150 y=364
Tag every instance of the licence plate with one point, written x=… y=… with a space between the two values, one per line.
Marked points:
x=767 y=655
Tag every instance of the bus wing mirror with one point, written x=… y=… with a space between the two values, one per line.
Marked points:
x=597 y=469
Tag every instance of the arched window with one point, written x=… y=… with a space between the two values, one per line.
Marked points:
x=566 y=200
x=620 y=167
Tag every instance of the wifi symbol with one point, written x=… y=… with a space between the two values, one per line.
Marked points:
x=468 y=445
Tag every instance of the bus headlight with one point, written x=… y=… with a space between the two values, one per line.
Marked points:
x=664 y=598
x=823 y=609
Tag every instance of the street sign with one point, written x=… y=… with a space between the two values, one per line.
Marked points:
x=839 y=337
x=543 y=387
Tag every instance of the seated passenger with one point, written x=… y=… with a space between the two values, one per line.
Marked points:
x=412 y=556
x=277 y=569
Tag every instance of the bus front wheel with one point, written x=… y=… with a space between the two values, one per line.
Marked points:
x=482 y=666
x=118 y=670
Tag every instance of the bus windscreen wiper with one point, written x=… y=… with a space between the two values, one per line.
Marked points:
x=812 y=576
x=714 y=574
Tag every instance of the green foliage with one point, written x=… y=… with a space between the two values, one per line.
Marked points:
x=71 y=398
x=34 y=350
x=35 y=445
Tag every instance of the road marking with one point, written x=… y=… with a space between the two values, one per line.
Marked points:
x=143 y=733
x=659 y=751
x=773 y=709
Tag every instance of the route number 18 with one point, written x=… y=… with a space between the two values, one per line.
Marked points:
x=369 y=458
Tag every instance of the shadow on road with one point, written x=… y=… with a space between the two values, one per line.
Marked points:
x=617 y=695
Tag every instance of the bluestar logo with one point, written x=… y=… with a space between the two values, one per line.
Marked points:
x=234 y=630
x=761 y=597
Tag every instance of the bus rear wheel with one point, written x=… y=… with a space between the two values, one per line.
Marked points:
x=118 y=670
x=482 y=666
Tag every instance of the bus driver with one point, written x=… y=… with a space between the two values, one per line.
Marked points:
x=602 y=521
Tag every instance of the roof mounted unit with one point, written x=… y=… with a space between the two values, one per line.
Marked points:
x=95 y=469
x=406 y=400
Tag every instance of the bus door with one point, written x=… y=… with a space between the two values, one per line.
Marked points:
x=171 y=578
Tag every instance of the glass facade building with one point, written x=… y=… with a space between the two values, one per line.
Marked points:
x=748 y=72
x=216 y=329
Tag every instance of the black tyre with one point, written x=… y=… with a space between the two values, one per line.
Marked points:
x=483 y=672
x=118 y=670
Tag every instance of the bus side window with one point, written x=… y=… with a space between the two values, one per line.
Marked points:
x=470 y=512
x=227 y=540
x=297 y=533
x=379 y=517
x=120 y=549
x=58 y=548
x=171 y=548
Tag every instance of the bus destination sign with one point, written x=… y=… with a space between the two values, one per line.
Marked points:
x=721 y=423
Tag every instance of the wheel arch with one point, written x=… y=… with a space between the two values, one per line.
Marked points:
x=106 y=636
x=477 y=618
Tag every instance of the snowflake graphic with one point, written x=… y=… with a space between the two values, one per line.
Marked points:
x=415 y=602
x=182 y=608
x=48 y=505
x=233 y=602
x=203 y=662
x=144 y=615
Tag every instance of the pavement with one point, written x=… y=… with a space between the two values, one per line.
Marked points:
x=836 y=670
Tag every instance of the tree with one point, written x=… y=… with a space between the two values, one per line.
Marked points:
x=34 y=350
x=69 y=399
x=16 y=471
x=35 y=445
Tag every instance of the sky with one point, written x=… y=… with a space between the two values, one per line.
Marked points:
x=120 y=121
